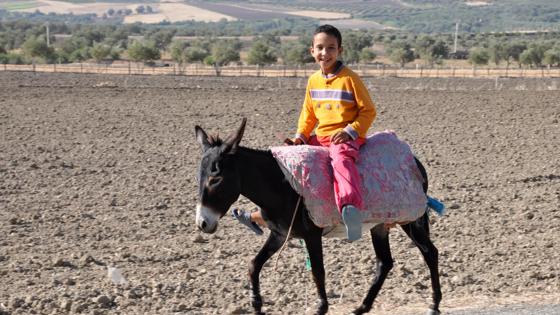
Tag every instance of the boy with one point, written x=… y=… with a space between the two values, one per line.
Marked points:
x=338 y=107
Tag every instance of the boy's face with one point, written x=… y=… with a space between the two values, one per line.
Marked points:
x=325 y=50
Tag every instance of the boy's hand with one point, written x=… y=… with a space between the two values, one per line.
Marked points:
x=294 y=141
x=340 y=137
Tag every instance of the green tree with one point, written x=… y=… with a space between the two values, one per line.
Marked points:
x=100 y=52
x=295 y=53
x=177 y=49
x=552 y=56
x=514 y=51
x=144 y=52
x=261 y=54
x=161 y=38
x=37 y=47
x=225 y=51
x=367 y=55
x=497 y=52
x=13 y=58
x=432 y=50
x=479 y=56
x=532 y=56
x=354 y=43
x=195 y=54
x=400 y=52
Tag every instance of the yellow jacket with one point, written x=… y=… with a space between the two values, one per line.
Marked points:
x=334 y=103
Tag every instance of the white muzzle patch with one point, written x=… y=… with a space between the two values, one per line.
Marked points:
x=206 y=219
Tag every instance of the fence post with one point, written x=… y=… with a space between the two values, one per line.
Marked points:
x=129 y=67
x=383 y=70
x=284 y=71
x=54 y=67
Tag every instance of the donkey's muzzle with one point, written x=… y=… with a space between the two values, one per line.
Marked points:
x=206 y=220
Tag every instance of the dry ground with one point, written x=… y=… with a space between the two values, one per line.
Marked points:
x=99 y=171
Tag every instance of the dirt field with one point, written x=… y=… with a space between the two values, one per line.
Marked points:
x=98 y=171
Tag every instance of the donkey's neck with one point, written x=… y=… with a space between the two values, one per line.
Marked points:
x=262 y=180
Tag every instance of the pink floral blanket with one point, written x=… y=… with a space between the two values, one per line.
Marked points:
x=391 y=181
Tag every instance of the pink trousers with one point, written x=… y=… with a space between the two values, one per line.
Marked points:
x=346 y=178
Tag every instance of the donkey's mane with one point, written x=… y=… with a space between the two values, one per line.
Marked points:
x=257 y=151
x=215 y=141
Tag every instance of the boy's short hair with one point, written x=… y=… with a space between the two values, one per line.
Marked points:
x=329 y=30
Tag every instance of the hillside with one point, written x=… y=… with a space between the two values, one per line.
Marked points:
x=421 y=16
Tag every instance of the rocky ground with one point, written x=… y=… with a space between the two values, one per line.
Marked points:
x=99 y=171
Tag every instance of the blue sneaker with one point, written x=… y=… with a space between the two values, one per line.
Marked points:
x=245 y=218
x=352 y=218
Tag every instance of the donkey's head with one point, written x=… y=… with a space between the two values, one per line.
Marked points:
x=218 y=179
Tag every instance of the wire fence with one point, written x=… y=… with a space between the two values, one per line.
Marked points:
x=131 y=68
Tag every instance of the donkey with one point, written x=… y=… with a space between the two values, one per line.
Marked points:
x=228 y=170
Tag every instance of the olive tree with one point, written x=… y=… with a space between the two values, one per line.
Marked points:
x=144 y=52
x=552 y=56
x=100 y=52
x=261 y=54
x=400 y=52
x=37 y=47
x=479 y=56
x=354 y=43
x=295 y=53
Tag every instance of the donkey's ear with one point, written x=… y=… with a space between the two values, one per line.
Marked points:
x=232 y=143
x=202 y=138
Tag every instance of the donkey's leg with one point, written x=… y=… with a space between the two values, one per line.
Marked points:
x=419 y=233
x=314 y=246
x=380 y=240
x=271 y=246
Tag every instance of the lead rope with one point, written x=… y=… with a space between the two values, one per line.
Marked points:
x=288 y=236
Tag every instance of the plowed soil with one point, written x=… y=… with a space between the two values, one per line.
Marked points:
x=99 y=171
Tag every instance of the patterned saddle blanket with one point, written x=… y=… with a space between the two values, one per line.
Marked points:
x=391 y=182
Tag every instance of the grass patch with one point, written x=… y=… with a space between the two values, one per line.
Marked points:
x=19 y=5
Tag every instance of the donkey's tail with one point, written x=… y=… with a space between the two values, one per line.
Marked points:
x=436 y=205
x=433 y=203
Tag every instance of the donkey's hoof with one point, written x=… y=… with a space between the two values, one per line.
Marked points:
x=361 y=310
x=432 y=312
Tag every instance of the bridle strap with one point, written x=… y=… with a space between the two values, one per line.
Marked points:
x=289 y=232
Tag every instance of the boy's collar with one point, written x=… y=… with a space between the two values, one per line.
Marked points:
x=338 y=67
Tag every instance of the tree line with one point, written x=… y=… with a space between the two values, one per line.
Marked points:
x=24 y=42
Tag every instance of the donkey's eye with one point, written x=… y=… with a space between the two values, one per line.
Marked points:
x=214 y=180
